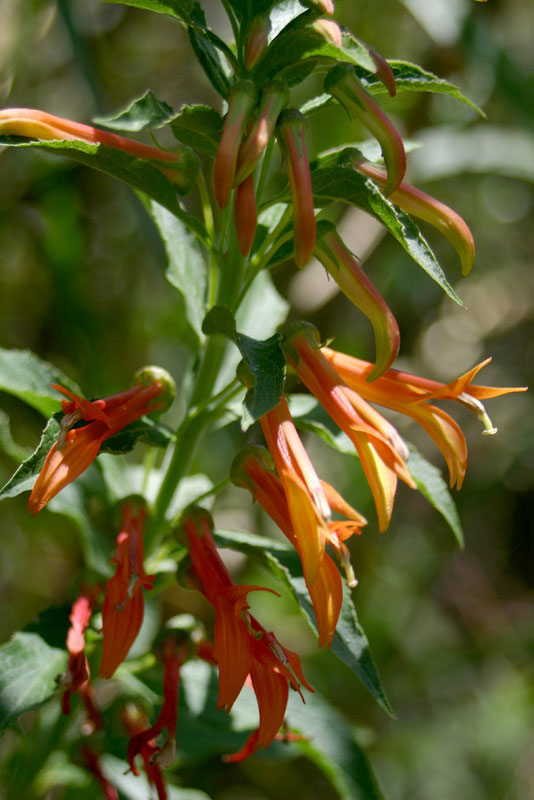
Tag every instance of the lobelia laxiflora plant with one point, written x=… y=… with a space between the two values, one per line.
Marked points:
x=263 y=191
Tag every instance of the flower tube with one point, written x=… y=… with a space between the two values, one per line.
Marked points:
x=274 y=97
x=180 y=167
x=343 y=84
x=355 y=285
x=241 y=101
x=291 y=134
x=245 y=215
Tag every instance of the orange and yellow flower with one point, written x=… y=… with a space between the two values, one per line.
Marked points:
x=242 y=647
x=381 y=450
x=409 y=394
x=253 y=470
x=122 y=613
x=77 y=448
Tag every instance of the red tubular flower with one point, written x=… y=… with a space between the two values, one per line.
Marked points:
x=122 y=613
x=425 y=207
x=143 y=741
x=381 y=450
x=408 y=394
x=355 y=285
x=274 y=98
x=78 y=674
x=180 y=167
x=241 y=101
x=291 y=134
x=258 y=32
x=343 y=84
x=77 y=448
x=252 y=470
x=93 y=765
x=242 y=646
x=245 y=215
x=136 y=723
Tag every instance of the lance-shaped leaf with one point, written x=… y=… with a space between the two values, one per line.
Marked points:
x=355 y=284
x=144 y=113
x=343 y=84
x=200 y=127
x=28 y=377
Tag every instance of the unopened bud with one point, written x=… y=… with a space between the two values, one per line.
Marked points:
x=291 y=134
x=343 y=84
x=325 y=6
x=274 y=98
x=355 y=285
x=245 y=215
x=329 y=30
x=241 y=101
x=257 y=40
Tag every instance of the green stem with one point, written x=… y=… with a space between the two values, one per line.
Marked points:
x=207 y=212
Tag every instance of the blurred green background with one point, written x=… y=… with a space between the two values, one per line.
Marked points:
x=82 y=285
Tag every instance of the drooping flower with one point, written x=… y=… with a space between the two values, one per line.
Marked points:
x=122 y=613
x=291 y=135
x=78 y=447
x=242 y=99
x=380 y=448
x=242 y=647
x=180 y=166
x=77 y=675
x=355 y=285
x=343 y=83
x=136 y=723
x=409 y=394
x=425 y=207
x=253 y=469
x=143 y=740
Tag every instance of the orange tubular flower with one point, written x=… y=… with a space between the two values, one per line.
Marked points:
x=242 y=646
x=143 y=741
x=77 y=676
x=407 y=394
x=291 y=134
x=343 y=84
x=77 y=448
x=355 y=285
x=180 y=167
x=252 y=470
x=122 y=613
x=241 y=101
x=425 y=207
x=381 y=450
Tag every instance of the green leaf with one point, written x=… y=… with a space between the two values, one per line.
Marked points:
x=186 y=269
x=210 y=61
x=265 y=359
x=330 y=745
x=432 y=485
x=28 y=672
x=295 y=50
x=339 y=183
x=145 y=429
x=412 y=78
x=8 y=446
x=136 y=172
x=350 y=644
x=180 y=9
x=144 y=113
x=26 y=376
x=199 y=127
x=25 y=476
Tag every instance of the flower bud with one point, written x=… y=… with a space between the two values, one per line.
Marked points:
x=180 y=166
x=343 y=84
x=291 y=134
x=146 y=376
x=274 y=98
x=355 y=285
x=245 y=215
x=324 y=6
x=257 y=40
x=329 y=30
x=241 y=101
